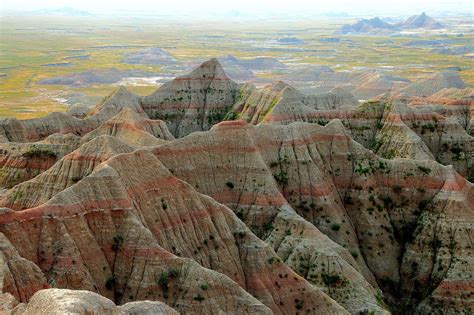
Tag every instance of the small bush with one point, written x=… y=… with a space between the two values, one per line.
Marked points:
x=164 y=205
x=397 y=189
x=425 y=170
x=164 y=280
x=117 y=242
x=273 y=164
x=335 y=226
x=199 y=298
x=281 y=178
x=423 y=204
x=39 y=152
x=331 y=279
x=230 y=185
x=299 y=304
x=204 y=286
x=110 y=283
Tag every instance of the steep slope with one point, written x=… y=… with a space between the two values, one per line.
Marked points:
x=254 y=105
x=30 y=130
x=115 y=103
x=446 y=139
x=193 y=102
x=65 y=173
x=114 y=230
x=22 y=161
x=374 y=208
x=242 y=178
x=18 y=276
x=434 y=83
x=132 y=128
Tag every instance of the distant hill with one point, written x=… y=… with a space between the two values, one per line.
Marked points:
x=376 y=25
x=290 y=41
x=421 y=21
x=367 y=26
x=150 y=56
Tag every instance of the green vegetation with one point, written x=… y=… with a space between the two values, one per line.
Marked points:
x=35 y=151
x=397 y=189
x=332 y=279
x=335 y=226
x=34 y=42
x=281 y=178
x=165 y=277
x=230 y=185
x=117 y=242
x=274 y=260
x=424 y=170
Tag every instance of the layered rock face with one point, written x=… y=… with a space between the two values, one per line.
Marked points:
x=193 y=102
x=255 y=105
x=127 y=259
x=389 y=127
x=294 y=204
x=347 y=193
x=22 y=161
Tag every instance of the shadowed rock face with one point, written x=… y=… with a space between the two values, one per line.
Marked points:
x=294 y=204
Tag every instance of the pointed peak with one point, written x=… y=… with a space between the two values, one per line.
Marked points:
x=209 y=69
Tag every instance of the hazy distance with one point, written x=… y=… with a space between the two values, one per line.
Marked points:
x=246 y=8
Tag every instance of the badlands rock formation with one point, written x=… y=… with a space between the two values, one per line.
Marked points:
x=268 y=201
x=193 y=102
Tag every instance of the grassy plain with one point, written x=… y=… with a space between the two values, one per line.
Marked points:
x=29 y=44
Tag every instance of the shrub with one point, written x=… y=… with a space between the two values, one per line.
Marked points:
x=354 y=253
x=299 y=304
x=423 y=204
x=164 y=280
x=335 y=226
x=397 y=189
x=425 y=170
x=204 y=286
x=117 y=242
x=75 y=179
x=331 y=279
x=274 y=259
x=230 y=185
x=281 y=178
x=39 y=152
x=199 y=298
x=322 y=122
x=110 y=283
x=164 y=205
